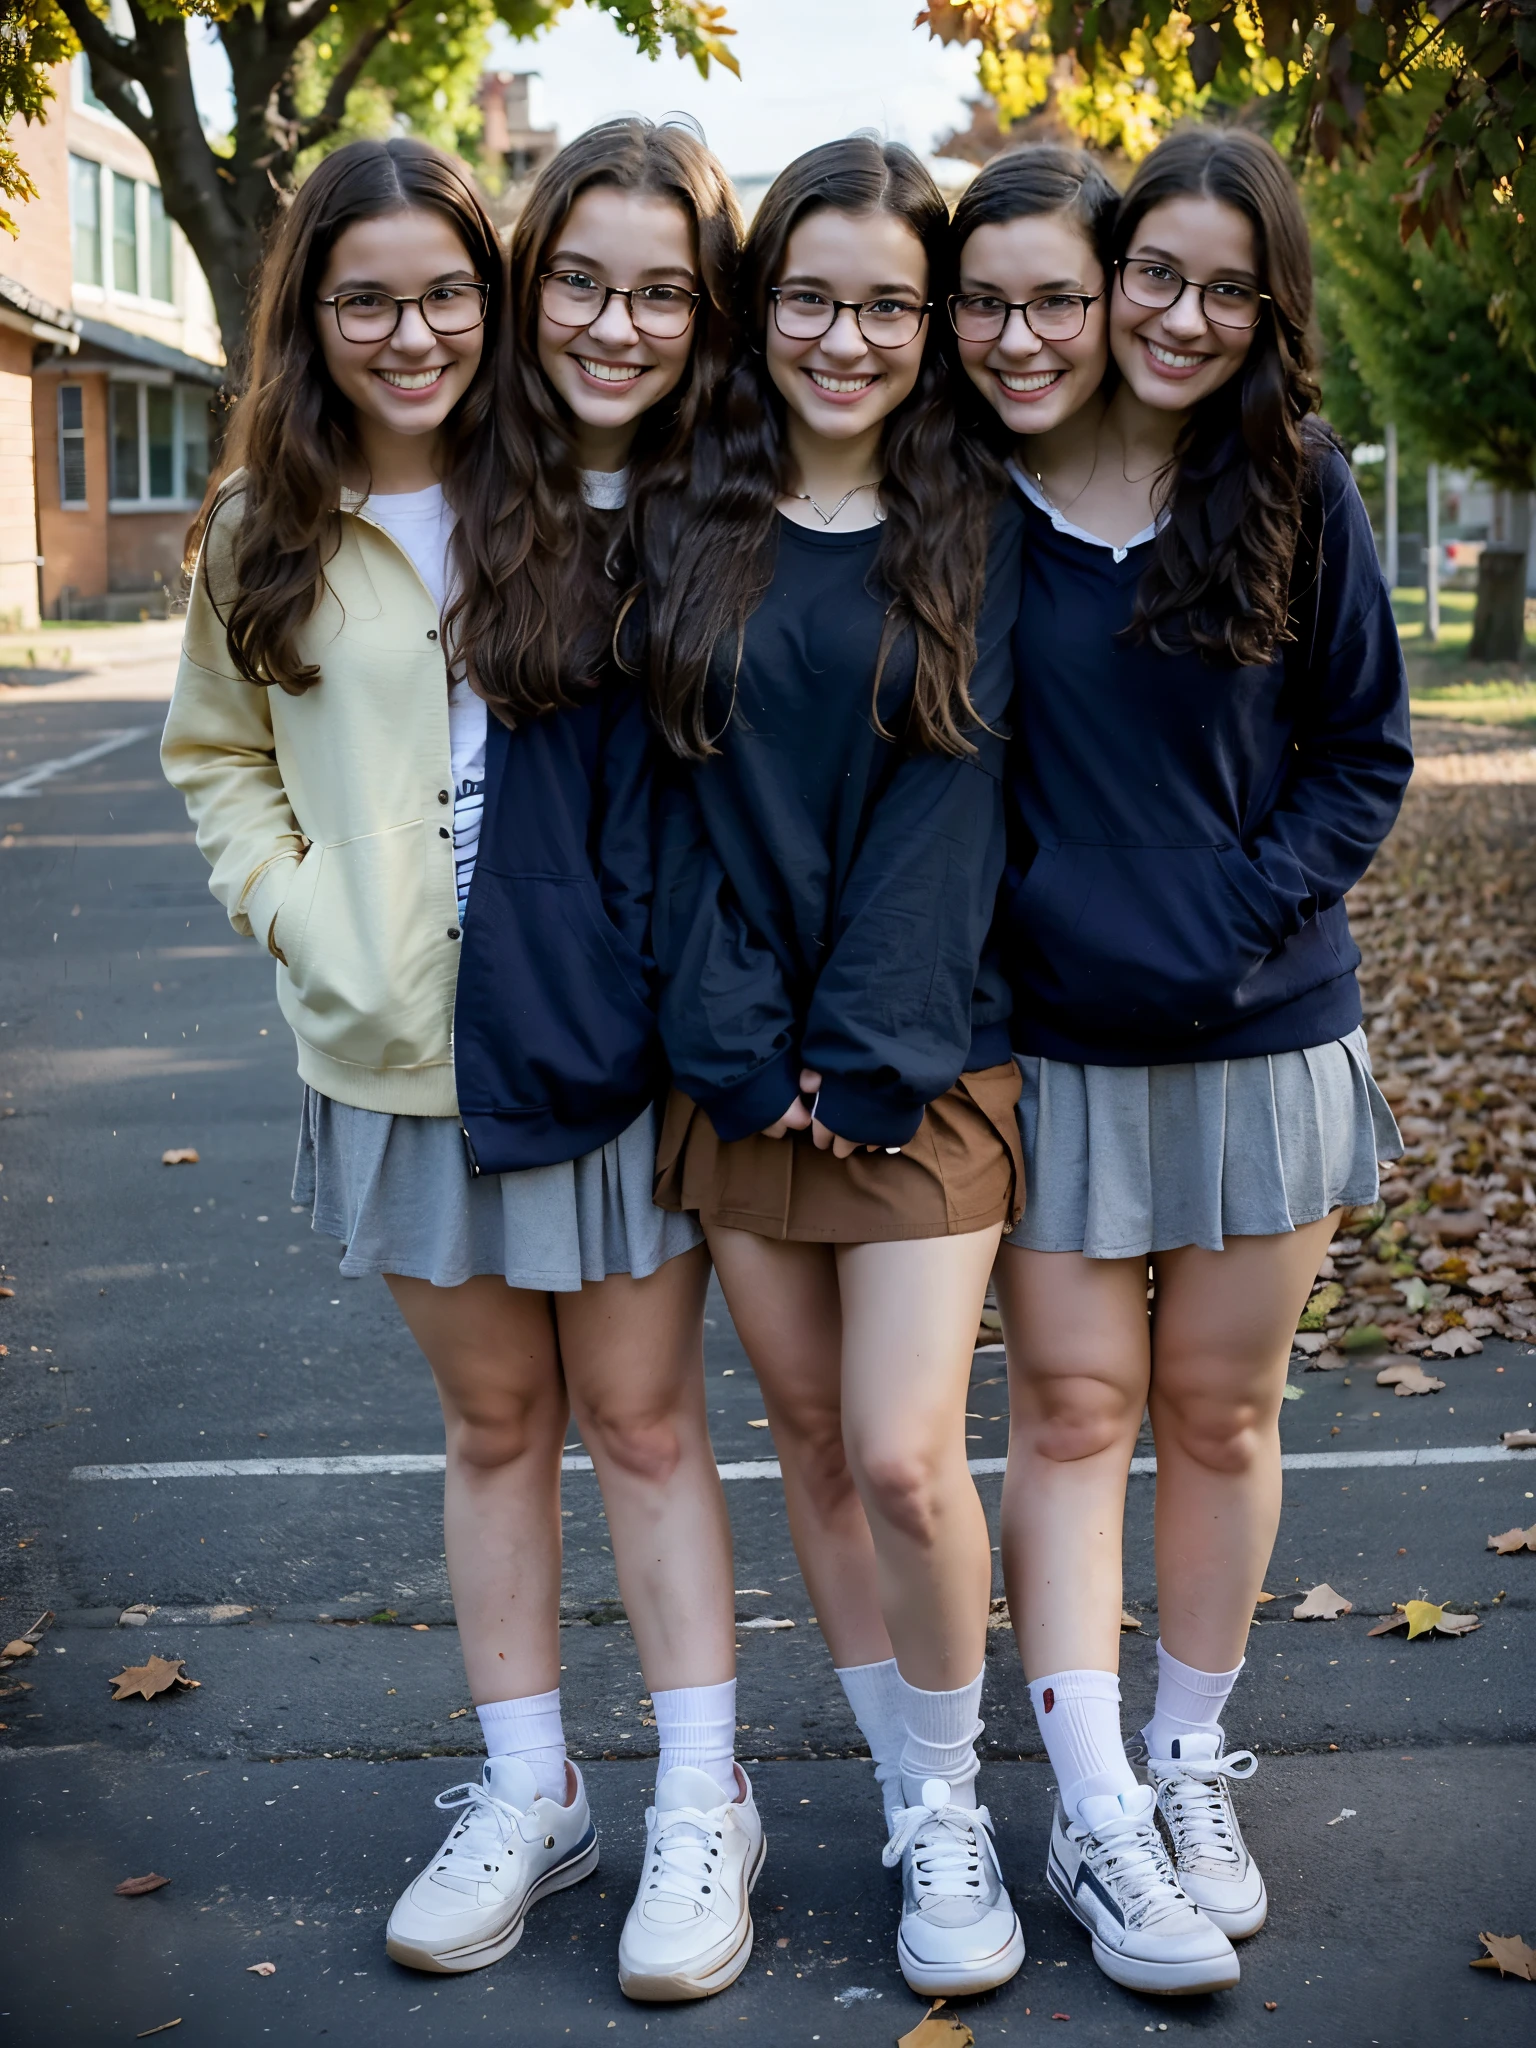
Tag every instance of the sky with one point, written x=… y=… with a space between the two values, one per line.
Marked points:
x=811 y=69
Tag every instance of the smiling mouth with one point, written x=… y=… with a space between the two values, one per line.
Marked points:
x=412 y=380
x=1169 y=359
x=840 y=387
x=612 y=373
x=1030 y=382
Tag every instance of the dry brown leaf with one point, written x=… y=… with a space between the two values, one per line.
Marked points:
x=1128 y=1621
x=1328 y=1360
x=1322 y=1604
x=758 y=1422
x=1407 y=1376
x=933 y=2032
x=183 y=1155
x=134 y=1887
x=1262 y=1599
x=7 y=1294
x=1513 y=1540
x=261 y=1969
x=148 y=1680
x=1519 y=1439
x=1425 y=1617
x=18 y=1649
x=997 y=1613
x=1456 y=1342
x=1509 y=1955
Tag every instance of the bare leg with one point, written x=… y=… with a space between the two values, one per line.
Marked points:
x=1078 y=1366
x=496 y=1362
x=1221 y=1340
x=909 y=1321
x=785 y=1303
x=634 y=1363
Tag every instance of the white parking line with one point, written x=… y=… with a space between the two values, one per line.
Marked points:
x=31 y=779
x=747 y=1468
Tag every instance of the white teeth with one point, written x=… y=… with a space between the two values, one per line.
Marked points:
x=1037 y=380
x=1166 y=355
x=411 y=380
x=826 y=383
x=611 y=373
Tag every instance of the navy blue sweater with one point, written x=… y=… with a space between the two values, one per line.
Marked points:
x=1182 y=833
x=823 y=894
x=555 y=1049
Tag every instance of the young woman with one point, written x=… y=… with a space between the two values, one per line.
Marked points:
x=1211 y=740
x=829 y=658
x=414 y=529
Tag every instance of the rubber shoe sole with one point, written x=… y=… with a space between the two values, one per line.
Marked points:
x=491 y=1948
x=957 y=1980
x=1137 y=1973
x=674 y=1987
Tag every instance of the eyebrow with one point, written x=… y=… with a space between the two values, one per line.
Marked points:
x=1237 y=273
x=573 y=259
x=822 y=284
x=461 y=275
x=1059 y=284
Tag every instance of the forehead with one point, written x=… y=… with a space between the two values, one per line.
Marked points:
x=644 y=230
x=856 y=251
x=1200 y=231
x=404 y=250
x=1039 y=248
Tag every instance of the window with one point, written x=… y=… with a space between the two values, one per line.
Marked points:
x=71 y=444
x=159 y=445
x=125 y=233
x=85 y=219
x=159 y=248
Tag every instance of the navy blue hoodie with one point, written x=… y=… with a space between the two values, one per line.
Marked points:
x=1182 y=833
x=555 y=1049
x=823 y=893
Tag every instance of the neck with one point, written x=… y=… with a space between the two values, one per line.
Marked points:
x=395 y=463
x=1145 y=435
x=1066 y=449
x=825 y=469
x=605 y=448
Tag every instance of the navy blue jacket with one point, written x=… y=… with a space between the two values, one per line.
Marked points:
x=824 y=894
x=1182 y=833
x=555 y=1049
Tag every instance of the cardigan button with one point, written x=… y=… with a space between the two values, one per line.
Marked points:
x=433 y=634
x=442 y=796
x=443 y=832
x=454 y=932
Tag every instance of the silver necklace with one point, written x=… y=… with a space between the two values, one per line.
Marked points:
x=826 y=518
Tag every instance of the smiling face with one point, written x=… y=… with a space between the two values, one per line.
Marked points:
x=839 y=385
x=1174 y=358
x=608 y=372
x=404 y=387
x=1033 y=385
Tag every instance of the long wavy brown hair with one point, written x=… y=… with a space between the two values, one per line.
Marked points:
x=709 y=548
x=545 y=578
x=291 y=431
x=1221 y=570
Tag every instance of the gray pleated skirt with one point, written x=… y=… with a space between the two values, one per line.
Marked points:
x=1122 y=1161
x=398 y=1192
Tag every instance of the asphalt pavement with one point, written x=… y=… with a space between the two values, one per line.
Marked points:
x=186 y=1317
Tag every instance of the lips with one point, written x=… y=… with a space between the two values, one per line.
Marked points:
x=620 y=375
x=1029 y=384
x=841 y=387
x=413 y=380
x=1173 y=362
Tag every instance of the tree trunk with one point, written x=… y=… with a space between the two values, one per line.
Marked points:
x=1498 y=626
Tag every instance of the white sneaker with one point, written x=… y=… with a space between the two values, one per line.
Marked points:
x=959 y=1932
x=1114 y=1875
x=689 y=1932
x=1209 y=1853
x=510 y=1849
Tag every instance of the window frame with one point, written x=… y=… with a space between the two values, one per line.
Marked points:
x=141 y=383
x=78 y=163
x=68 y=434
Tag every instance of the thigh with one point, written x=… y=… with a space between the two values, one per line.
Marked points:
x=784 y=1301
x=1222 y=1322
x=910 y=1312
x=493 y=1349
x=1079 y=1344
x=633 y=1347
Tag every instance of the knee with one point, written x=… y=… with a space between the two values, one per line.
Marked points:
x=810 y=1440
x=1226 y=1436
x=487 y=1437
x=903 y=1488
x=647 y=1445
x=1065 y=1419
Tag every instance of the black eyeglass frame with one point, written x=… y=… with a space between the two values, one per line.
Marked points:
x=626 y=292
x=854 y=306
x=1012 y=306
x=1187 y=284
x=338 y=299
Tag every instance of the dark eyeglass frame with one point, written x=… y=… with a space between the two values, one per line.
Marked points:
x=1012 y=306
x=339 y=299
x=626 y=292
x=1187 y=284
x=857 y=307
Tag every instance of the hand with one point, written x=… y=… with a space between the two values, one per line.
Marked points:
x=842 y=1148
x=796 y=1118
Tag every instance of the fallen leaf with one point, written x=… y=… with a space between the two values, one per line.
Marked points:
x=1513 y=1540
x=997 y=1613
x=1291 y=1392
x=1344 y=1813
x=261 y=1969
x=1519 y=1439
x=1271 y=2005
x=17 y=1649
x=7 y=1294
x=761 y=1422
x=1456 y=1343
x=420 y=1628
x=1316 y=1312
x=1407 y=1376
x=458 y=1713
x=1365 y=1337
x=1502 y=1280
x=1509 y=1955
x=132 y=1887
x=1322 y=1604
x=1128 y=1620
x=183 y=1156
x=933 y=2032
x=1422 y=1618
x=14 y=1692
x=159 y=1675
x=1328 y=1360
x=1262 y=1599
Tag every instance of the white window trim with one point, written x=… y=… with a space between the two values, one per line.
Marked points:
x=179 y=500
x=69 y=504
x=109 y=291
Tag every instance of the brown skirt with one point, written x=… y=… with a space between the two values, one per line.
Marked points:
x=962 y=1170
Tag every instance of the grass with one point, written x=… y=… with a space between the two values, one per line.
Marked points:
x=1444 y=683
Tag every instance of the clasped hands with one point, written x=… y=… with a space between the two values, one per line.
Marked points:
x=800 y=1116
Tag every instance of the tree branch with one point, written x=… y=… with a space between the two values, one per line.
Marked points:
x=99 y=43
x=320 y=125
x=116 y=94
x=287 y=25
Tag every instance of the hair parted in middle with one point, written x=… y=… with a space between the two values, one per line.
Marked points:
x=549 y=573
x=709 y=548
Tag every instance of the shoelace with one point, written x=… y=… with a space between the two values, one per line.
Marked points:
x=945 y=1848
x=685 y=1858
x=484 y=1810
x=1197 y=1805
x=1132 y=1861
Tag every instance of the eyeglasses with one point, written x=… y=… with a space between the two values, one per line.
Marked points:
x=884 y=323
x=572 y=299
x=374 y=316
x=1056 y=316
x=1157 y=285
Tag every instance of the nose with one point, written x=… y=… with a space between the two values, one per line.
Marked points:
x=413 y=336
x=843 y=339
x=1018 y=338
x=614 y=326
x=1186 y=316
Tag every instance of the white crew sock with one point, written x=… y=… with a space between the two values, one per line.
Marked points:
x=1079 y=1717
x=531 y=1729
x=873 y=1691
x=1189 y=1702
x=696 y=1727
x=941 y=1732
